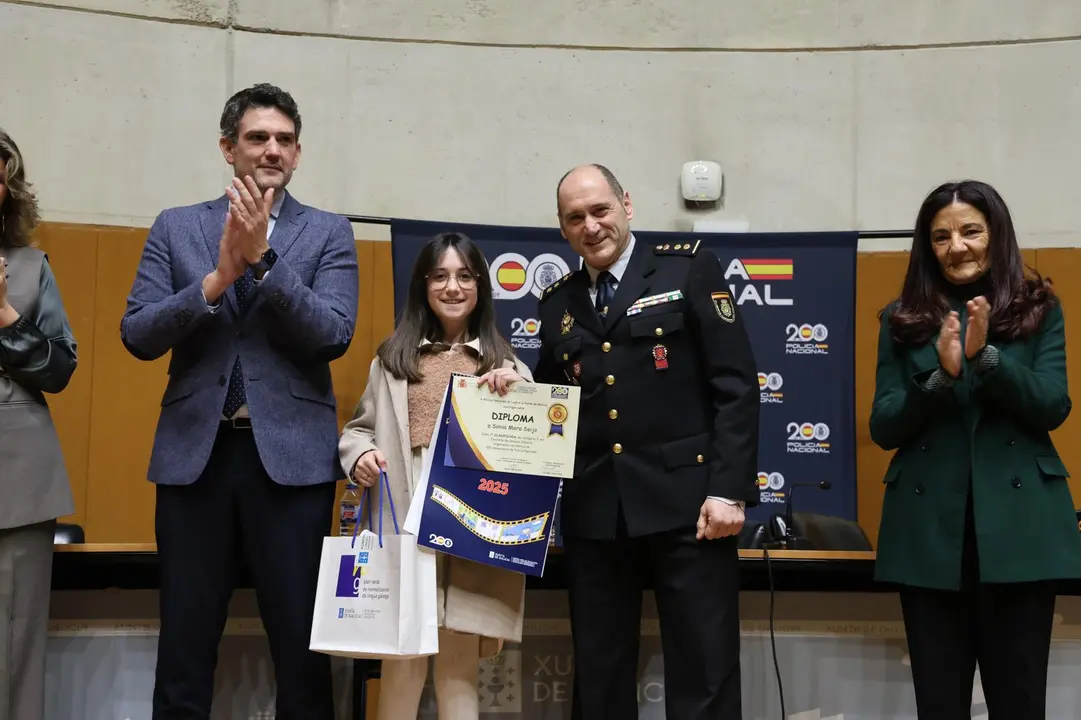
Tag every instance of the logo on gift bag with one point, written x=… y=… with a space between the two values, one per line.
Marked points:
x=352 y=566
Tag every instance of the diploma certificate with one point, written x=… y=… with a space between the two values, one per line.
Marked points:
x=500 y=517
x=532 y=430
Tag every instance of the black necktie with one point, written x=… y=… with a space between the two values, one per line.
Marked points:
x=236 y=396
x=606 y=290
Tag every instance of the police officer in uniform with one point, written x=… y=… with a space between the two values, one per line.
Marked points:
x=666 y=455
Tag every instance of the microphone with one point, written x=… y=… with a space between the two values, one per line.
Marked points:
x=782 y=527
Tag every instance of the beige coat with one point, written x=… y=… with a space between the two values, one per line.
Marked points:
x=473 y=598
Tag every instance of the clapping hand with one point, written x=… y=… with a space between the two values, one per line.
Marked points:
x=251 y=210
x=979 y=317
x=8 y=315
x=949 y=345
x=230 y=260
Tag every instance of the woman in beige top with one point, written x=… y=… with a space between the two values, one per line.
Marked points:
x=448 y=325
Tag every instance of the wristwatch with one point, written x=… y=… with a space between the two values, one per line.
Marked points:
x=266 y=261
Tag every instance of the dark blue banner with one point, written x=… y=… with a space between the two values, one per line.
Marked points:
x=797 y=293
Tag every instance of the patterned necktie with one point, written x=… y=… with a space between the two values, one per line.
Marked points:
x=236 y=397
x=606 y=290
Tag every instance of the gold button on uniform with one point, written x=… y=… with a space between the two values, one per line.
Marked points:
x=606 y=346
x=700 y=459
x=613 y=414
x=617 y=448
x=658 y=331
x=611 y=379
x=566 y=356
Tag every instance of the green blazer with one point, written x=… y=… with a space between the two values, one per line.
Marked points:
x=991 y=424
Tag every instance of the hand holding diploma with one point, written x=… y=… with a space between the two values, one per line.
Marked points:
x=499 y=380
x=514 y=427
x=494 y=469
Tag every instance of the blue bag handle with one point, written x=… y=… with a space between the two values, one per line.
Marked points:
x=384 y=482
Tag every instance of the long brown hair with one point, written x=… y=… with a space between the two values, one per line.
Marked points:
x=399 y=352
x=19 y=214
x=1019 y=301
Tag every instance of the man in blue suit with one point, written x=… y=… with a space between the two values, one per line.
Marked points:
x=254 y=294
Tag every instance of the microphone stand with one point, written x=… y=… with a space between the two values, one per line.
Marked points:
x=791 y=540
x=782 y=527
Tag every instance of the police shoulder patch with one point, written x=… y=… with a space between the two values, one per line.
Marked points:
x=722 y=303
x=687 y=249
x=547 y=292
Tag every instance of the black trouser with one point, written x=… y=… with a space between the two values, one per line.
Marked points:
x=696 y=584
x=235 y=510
x=1005 y=628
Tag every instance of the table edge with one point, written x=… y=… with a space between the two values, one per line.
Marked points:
x=744 y=554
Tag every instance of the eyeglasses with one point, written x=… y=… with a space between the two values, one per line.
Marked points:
x=438 y=279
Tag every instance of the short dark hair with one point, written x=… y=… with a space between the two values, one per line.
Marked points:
x=1018 y=301
x=399 y=352
x=607 y=174
x=263 y=95
x=19 y=214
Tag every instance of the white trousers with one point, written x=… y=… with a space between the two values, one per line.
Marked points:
x=401 y=682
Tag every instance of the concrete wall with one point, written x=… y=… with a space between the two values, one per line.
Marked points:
x=824 y=115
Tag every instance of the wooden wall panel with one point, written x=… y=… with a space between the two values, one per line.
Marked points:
x=72 y=251
x=350 y=371
x=375 y=320
x=1062 y=264
x=126 y=398
x=354 y=364
x=878 y=277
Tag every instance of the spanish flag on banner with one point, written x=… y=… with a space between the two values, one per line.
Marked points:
x=768 y=268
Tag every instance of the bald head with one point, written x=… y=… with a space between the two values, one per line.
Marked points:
x=590 y=171
x=594 y=214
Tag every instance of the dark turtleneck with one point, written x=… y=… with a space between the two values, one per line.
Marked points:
x=968 y=291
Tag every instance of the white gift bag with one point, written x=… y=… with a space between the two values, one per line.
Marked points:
x=376 y=596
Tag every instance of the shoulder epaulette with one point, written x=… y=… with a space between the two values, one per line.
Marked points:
x=687 y=249
x=546 y=293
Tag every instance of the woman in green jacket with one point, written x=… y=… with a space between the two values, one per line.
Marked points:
x=978 y=521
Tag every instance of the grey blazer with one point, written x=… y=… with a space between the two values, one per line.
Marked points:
x=37 y=356
x=300 y=318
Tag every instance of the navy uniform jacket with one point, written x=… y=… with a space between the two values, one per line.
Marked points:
x=670 y=399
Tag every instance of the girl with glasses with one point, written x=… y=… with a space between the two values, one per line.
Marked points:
x=448 y=325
